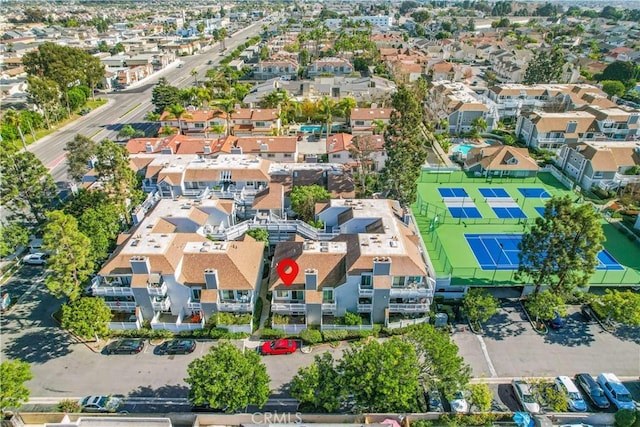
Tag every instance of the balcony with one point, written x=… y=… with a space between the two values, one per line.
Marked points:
x=289 y=307
x=121 y=305
x=550 y=140
x=411 y=292
x=161 y=304
x=235 y=306
x=288 y=324
x=157 y=289
x=329 y=306
x=193 y=305
x=177 y=323
x=365 y=292
x=408 y=308
x=125 y=320
x=103 y=287
x=365 y=308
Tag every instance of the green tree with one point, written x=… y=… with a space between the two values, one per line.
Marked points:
x=27 y=190
x=80 y=150
x=479 y=305
x=613 y=87
x=541 y=305
x=68 y=406
x=304 y=198
x=226 y=378
x=70 y=264
x=481 y=396
x=625 y=417
x=620 y=71
x=260 y=234
x=381 y=376
x=13 y=375
x=87 y=317
x=76 y=98
x=479 y=124
x=44 y=94
x=101 y=223
x=164 y=95
x=12 y=236
x=326 y=108
x=560 y=250
x=128 y=131
x=319 y=385
x=118 y=179
x=439 y=363
x=546 y=66
x=621 y=306
x=405 y=148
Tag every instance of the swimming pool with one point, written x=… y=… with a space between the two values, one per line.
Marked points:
x=311 y=128
x=462 y=148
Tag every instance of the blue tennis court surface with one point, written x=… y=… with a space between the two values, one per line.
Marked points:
x=540 y=210
x=500 y=252
x=534 y=192
x=512 y=212
x=452 y=192
x=493 y=192
x=459 y=212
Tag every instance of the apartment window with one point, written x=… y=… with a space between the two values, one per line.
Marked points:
x=335 y=156
x=398 y=282
x=227 y=295
x=297 y=295
x=199 y=125
x=327 y=295
x=415 y=279
x=196 y=293
x=282 y=294
x=359 y=122
x=271 y=155
x=261 y=124
x=288 y=155
x=366 y=281
x=225 y=175
x=249 y=184
x=242 y=296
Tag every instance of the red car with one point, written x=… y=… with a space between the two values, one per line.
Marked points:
x=282 y=346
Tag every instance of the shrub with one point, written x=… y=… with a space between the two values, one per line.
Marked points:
x=272 y=334
x=334 y=335
x=311 y=336
x=257 y=314
x=625 y=418
x=224 y=318
x=142 y=333
x=68 y=406
x=352 y=319
x=421 y=423
x=223 y=334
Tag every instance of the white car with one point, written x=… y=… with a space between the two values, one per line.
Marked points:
x=100 y=404
x=459 y=404
x=525 y=396
x=38 y=258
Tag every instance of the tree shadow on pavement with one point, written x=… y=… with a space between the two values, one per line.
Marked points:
x=502 y=325
x=165 y=391
x=628 y=333
x=39 y=346
x=574 y=333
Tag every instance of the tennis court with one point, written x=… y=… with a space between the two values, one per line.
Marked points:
x=540 y=210
x=509 y=212
x=446 y=192
x=494 y=192
x=534 y=192
x=500 y=252
x=460 y=212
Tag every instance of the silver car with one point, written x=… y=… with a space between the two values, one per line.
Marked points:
x=525 y=396
x=102 y=404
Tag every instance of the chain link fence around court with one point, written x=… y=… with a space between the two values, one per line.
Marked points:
x=438 y=215
x=446 y=175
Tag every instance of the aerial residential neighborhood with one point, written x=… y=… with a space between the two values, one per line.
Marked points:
x=325 y=213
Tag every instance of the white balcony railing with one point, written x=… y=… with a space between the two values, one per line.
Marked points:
x=365 y=308
x=111 y=291
x=157 y=290
x=365 y=292
x=234 y=306
x=409 y=292
x=329 y=306
x=288 y=307
x=121 y=305
x=193 y=305
x=408 y=308
x=553 y=140
x=406 y=322
x=290 y=329
x=325 y=327
x=161 y=305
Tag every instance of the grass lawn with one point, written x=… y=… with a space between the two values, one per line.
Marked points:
x=451 y=254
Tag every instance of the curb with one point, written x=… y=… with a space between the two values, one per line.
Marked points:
x=75 y=337
x=539 y=332
x=600 y=322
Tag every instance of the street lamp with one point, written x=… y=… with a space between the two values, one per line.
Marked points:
x=493 y=279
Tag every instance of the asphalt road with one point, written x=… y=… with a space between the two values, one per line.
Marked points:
x=130 y=106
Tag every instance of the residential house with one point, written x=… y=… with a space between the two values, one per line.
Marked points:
x=500 y=160
x=510 y=65
x=601 y=164
x=344 y=148
x=459 y=105
x=196 y=123
x=363 y=120
x=282 y=149
x=250 y=121
x=168 y=273
x=265 y=70
x=381 y=22
x=373 y=268
x=443 y=70
x=332 y=66
x=550 y=131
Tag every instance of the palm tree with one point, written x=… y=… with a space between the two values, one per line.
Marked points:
x=480 y=124
x=194 y=74
x=326 y=108
x=177 y=111
x=12 y=118
x=222 y=33
x=345 y=105
x=378 y=126
x=225 y=108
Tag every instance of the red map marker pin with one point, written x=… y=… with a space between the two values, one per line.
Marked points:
x=288 y=270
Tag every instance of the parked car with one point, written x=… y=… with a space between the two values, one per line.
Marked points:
x=281 y=346
x=587 y=314
x=84 y=111
x=100 y=404
x=39 y=258
x=557 y=322
x=127 y=346
x=435 y=401
x=593 y=391
x=616 y=391
x=525 y=395
x=459 y=404
x=209 y=62
x=574 y=398
x=178 y=347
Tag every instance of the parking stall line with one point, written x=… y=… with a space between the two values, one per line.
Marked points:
x=487 y=359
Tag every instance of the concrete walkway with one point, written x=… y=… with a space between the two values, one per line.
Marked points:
x=254 y=339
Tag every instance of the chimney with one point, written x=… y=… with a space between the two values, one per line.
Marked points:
x=140 y=265
x=166 y=150
x=264 y=147
x=148 y=147
x=207 y=148
x=382 y=266
x=211 y=278
x=236 y=150
x=310 y=279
